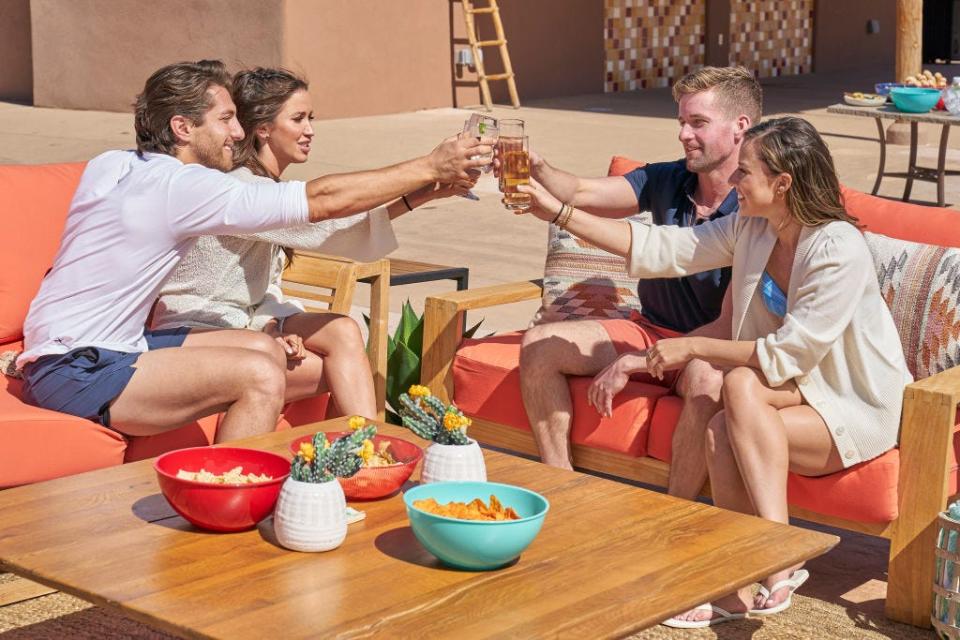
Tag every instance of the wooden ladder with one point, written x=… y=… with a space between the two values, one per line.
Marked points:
x=500 y=41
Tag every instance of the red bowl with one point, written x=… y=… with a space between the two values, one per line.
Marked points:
x=221 y=507
x=371 y=483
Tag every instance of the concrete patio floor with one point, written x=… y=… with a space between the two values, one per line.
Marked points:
x=579 y=134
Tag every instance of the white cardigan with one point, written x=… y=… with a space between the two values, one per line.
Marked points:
x=838 y=341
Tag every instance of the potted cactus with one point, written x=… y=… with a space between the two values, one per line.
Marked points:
x=311 y=509
x=452 y=456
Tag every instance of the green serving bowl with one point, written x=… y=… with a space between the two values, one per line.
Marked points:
x=476 y=545
x=914 y=99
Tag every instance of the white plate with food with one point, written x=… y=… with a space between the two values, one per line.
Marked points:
x=858 y=99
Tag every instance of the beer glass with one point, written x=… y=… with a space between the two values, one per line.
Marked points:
x=515 y=171
x=509 y=128
x=478 y=127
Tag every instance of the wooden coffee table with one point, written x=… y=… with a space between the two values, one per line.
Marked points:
x=611 y=560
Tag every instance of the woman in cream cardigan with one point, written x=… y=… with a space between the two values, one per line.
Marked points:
x=815 y=368
x=232 y=282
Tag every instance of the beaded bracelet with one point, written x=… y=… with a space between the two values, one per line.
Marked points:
x=557 y=217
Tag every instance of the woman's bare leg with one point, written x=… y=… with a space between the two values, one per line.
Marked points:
x=771 y=433
x=342 y=366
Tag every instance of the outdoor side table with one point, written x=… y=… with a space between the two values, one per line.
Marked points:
x=913 y=172
x=410 y=272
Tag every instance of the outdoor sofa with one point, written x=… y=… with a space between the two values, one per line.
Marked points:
x=39 y=444
x=897 y=495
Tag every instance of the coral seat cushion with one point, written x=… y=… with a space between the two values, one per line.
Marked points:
x=38 y=444
x=866 y=492
x=486 y=375
x=33 y=207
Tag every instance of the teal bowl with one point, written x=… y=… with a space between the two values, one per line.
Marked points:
x=475 y=544
x=914 y=99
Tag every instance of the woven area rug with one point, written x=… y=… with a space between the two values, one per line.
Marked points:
x=843 y=600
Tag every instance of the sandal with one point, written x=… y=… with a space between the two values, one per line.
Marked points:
x=794 y=582
x=722 y=615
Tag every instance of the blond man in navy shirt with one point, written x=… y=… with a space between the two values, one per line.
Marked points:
x=716 y=107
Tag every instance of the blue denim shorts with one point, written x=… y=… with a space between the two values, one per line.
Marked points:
x=83 y=382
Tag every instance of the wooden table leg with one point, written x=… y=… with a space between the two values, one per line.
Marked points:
x=377 y=349
x=883 y=155
x=941 y=165
x=912 y=167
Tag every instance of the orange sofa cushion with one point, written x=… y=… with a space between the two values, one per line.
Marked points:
x=202 y=432
x=486 y=375
x=865 y=493
x=913 y=222
x=38 y=444
x=33 y=206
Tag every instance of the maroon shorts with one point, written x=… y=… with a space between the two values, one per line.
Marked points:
x=637 y=334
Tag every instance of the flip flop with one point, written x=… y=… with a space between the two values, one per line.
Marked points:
x=794 y=582
x=722 y=615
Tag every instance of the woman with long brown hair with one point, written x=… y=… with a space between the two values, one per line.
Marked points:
x=814 y=368
x=232 y=282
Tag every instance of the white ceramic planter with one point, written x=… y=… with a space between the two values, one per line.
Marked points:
x=453 y=463
x=310 y=516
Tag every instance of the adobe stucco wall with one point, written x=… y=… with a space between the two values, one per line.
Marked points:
x=96 y=54
x=841 y=41
x=16 y=63
x=366 y=57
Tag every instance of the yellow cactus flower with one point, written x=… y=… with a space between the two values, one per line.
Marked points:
x=451 y=421
x=418 y=391
x=357 y=422
x=366 y=451
x=465 y=422
x=307 y=452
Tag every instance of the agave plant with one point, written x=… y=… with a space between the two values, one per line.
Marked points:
x=404 y=352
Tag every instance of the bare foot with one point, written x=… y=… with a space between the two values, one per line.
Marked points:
x=737 y=602
x=778 y=596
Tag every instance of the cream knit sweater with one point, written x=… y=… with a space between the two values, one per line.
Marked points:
x=837 y=341
x=232 y=282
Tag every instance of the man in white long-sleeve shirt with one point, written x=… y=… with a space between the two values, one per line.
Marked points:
x=133 y=217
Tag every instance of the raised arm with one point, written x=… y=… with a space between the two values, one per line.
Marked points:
x=609 y=197
x=344 y=194
x=652 y=251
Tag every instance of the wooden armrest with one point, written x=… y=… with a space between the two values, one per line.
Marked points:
x=926 y=439
x=491 y=296
x=443 y=318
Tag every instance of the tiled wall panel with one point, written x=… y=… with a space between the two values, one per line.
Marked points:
x=650 y=43
x=772 y=37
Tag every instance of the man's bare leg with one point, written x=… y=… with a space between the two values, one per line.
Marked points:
x=172 y=387
x=699 y=385
x=549 y=354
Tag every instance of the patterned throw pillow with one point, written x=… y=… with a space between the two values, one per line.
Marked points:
x=581 y=281
x=921 y=285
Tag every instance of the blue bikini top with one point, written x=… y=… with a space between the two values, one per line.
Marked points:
x=773 y=297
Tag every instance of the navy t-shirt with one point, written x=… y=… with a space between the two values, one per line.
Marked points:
x=665 y=190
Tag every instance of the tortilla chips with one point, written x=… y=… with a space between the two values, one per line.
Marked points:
x=475 y=510
x=234 y=476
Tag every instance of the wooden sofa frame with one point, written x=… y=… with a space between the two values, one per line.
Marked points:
x=927 y=428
